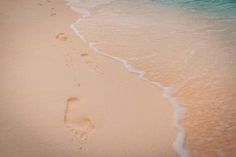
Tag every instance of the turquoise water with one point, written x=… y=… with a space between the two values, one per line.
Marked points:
x=215 y=7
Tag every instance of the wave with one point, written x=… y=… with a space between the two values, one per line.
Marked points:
x=179 y=143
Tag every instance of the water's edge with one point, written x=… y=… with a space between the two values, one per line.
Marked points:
x=179 y=143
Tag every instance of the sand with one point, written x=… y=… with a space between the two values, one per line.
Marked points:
x=57 y=98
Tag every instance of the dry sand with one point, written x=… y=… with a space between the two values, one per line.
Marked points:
x=59 y=99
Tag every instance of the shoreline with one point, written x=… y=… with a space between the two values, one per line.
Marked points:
x=178 y=144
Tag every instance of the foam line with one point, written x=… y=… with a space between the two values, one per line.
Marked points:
x=76 y=31
x=123 y=61
x=178 y=145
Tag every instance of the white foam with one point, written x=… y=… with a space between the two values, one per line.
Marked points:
x=77 y=32
x=178 y=144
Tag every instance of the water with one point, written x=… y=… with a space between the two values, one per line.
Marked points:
x=216 y=7
x=186 y=48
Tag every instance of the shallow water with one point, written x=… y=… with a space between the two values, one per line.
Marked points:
x=189 y=46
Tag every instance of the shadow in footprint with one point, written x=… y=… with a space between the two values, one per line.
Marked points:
x=40 y=4
x=84 y=54
x=80 y=125
x=53 y=14
x=61 y=37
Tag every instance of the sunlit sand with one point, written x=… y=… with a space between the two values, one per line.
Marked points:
x=115 y=79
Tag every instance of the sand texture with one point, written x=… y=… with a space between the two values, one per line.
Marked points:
x=59 y=99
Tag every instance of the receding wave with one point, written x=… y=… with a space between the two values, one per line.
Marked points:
x=189 y=55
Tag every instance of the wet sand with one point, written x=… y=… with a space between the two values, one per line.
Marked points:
x=190 y=53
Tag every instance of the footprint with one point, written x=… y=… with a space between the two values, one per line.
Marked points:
x=80 y=125
x=53 y=14
x=69 y=61
x=61 y=37
x=91 y=63
x=40 y=4
x=83 y=54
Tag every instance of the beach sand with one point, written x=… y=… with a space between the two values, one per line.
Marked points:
x=57 y=98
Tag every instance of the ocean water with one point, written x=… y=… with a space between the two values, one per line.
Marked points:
x=186 y=48
x=216 y=7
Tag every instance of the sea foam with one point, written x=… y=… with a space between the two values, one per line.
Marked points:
x=179 y=143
